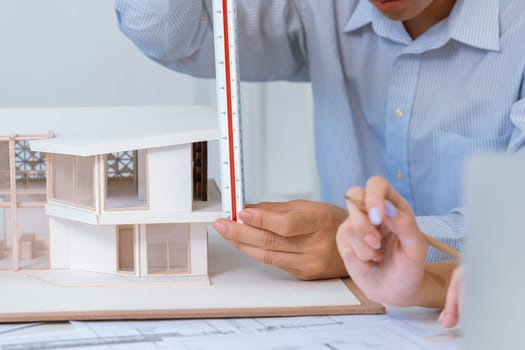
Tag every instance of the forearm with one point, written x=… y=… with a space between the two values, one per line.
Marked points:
x=436 y=279
x=175 y=33
x=179 y=35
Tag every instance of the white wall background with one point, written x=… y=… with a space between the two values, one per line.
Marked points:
x=70 y=53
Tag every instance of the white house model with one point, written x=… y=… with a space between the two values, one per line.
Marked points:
x=104 y=215
x=119 y=191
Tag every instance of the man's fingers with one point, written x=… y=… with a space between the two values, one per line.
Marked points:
x=281 y=207
x=287 y=224
x=239 y=234
x=283 y=260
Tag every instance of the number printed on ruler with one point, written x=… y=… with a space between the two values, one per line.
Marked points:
x=228 y=107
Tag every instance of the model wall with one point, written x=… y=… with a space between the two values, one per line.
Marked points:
x=169 y=174
x=199 y=249
x=91 y=247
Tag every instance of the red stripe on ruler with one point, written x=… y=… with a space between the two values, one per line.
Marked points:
x=229 y=107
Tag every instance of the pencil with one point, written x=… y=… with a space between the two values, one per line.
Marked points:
x=430 y=240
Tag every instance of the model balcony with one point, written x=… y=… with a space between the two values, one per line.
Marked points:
x=131 y=175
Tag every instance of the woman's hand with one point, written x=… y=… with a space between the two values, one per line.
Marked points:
x=384 y=251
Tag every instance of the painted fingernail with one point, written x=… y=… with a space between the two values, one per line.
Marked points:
x=375 y=216
x=391 y=210
x=373 y=242
x=246 y=215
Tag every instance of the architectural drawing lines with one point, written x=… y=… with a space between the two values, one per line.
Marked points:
x=288 y=333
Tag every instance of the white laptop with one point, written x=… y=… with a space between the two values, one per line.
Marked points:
x=494 y=299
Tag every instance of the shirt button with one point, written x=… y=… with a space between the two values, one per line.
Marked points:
x=400 y=176
x=399 y=113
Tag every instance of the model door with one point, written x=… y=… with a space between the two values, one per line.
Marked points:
x=126 y=249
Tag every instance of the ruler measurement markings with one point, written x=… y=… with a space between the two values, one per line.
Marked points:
x=228 y=93
x=226 y=29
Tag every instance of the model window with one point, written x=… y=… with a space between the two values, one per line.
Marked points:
x=200 y=170
x=73 y=180
x=126 y=248
x=33 y=238
x=84 y=182
x=126 y=184
x=5 y=178
x=29 y=227
x=30 y=173
x=6 y=239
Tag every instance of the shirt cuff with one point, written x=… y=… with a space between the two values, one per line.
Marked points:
x=447 y=229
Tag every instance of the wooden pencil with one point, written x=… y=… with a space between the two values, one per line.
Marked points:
x=430 y=240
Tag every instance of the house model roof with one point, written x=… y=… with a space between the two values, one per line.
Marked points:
x=101 y=130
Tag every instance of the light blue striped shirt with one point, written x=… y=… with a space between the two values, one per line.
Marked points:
x=410 y=110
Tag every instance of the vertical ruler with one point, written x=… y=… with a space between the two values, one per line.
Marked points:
x=228 y=107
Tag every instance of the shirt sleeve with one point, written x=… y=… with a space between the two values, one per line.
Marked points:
x=447 y=229
x=179 y=35
x=450 y=228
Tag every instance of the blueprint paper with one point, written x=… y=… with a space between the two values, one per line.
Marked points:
x=299 y=333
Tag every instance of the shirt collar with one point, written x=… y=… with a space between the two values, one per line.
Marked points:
x=472 y=22
x=476 y=23
x=361 y=16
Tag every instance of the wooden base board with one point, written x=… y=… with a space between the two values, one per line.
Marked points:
x=240 y=287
